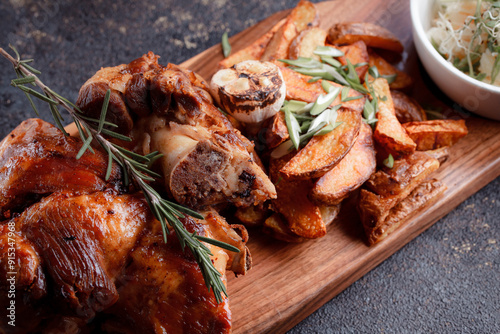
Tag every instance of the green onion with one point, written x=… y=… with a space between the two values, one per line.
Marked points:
x=226 y=47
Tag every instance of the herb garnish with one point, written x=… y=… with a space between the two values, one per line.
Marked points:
x=226 y=47
x=135 y=167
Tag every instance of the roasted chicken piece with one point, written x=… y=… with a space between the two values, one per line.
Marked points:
x=79 y=252
x=205 y=160
x=37 y=159
x=84 y=254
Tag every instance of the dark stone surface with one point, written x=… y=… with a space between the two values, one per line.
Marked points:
x=445 y=281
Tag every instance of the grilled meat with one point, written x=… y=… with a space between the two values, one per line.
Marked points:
x=206 y=161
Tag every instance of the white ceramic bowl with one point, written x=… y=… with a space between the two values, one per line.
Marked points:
x=476 y=96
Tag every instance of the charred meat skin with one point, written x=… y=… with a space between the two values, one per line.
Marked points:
x=103 y=253
x=38 y=159
x=180 y=105
x=79 y=247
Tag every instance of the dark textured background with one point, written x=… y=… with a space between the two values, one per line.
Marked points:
x=445 y=281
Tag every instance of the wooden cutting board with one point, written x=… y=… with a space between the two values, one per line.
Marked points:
x=290 y=281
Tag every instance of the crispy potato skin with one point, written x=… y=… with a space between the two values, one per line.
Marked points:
x=406 y=108
x=276 y=226
x=303 y=218
x=306 y=42
x=304 y=15
x=322 y=153
x=274 y=131
x=372 y=34
x=388 y=132
x=430 y=135
x=350 y=173
x=298 y=88
x=251 y=216
x=402 y=82
x=389 y=186
x=423 y=194
x=356 y=53
x=252 y=52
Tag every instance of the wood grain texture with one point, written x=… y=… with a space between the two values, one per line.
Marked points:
x=290 y=281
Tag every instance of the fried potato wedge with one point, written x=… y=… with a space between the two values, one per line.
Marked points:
x=275 y=225
x=252 y=215
x=372 y=34
x=388 y=131
x=406 y=108
x=424 y=194
x=306 y=42
x=304 y=15
x=388 y=187
x=274 y=131
x=406 y=173
x=329 y=213
x=441 y=154
x=356 y=53
x=322 y=153
x=430 y=135
x=349 y=174
x=252 y=52
x=298 y=88
x=303 y=217
x=402 y=82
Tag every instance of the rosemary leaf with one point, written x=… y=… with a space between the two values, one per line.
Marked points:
x=109 y=168
x=36 y=94
x=104 y=110
x=217 y=243
x=22 y=81
x=115 y=135
x=84 y=147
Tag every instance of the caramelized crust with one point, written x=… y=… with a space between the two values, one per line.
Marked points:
x=206 y=161
x=37 y=159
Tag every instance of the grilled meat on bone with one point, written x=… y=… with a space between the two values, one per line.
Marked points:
x=206 y=160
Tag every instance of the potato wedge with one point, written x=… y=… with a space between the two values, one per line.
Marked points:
x=276 y=226
x=402 y=82
x=306 y=42
x=441 y=154
x=350 y=173
x=430 y=135
x=304 y=15
x=422 y=195
x=322 y=153
x=252 y=215
x=388 y=131
x=388 y=187
x=329 y=213
x=372 y=34
x=252 y=52
x=274 y=131
x=303 y=217
x=298 y=88
x=406 y=108
x=406 y=173
x=356 y=53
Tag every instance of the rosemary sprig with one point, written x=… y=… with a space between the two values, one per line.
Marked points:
x=136 y=167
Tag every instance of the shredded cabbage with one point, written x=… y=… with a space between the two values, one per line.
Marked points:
x=467 y=34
